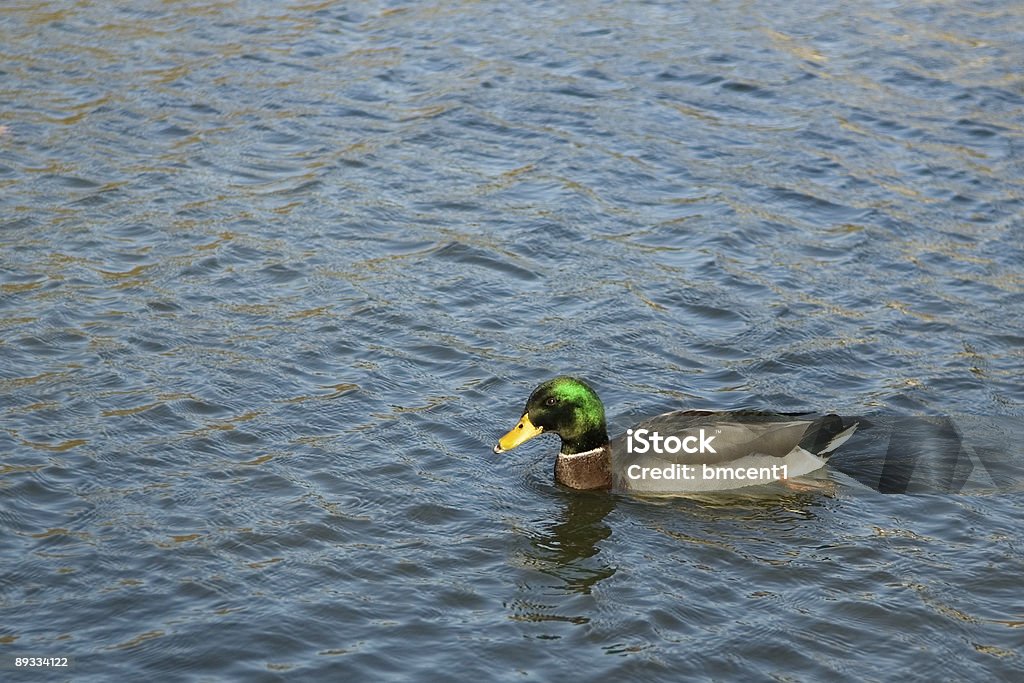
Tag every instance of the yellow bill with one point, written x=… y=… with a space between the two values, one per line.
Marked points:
x=518 y=435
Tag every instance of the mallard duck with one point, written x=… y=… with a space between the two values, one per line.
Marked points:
x=680 y=451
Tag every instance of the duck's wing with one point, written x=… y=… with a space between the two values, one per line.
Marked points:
x=775 y=445
x=728 y=436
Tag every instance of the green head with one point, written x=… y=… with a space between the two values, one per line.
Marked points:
x=566 y=406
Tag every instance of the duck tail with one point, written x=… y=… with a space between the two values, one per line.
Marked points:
x=826 y=434
x=839 y=439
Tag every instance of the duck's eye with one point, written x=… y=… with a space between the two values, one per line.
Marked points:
x=551 y=401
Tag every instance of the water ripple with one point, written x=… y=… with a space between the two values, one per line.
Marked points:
x=275 y=278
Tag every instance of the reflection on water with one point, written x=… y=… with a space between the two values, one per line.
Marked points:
x=271 y=275
x=567 y=548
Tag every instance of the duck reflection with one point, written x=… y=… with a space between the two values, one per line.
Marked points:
x=563 y=547
x=566 y=549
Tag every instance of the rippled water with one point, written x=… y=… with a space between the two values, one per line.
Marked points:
x=275 y=276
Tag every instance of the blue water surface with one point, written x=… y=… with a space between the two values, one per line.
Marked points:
x=274 y=277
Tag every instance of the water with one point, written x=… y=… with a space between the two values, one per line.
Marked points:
x=275 y=276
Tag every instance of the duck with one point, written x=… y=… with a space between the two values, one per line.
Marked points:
x=677 y=452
